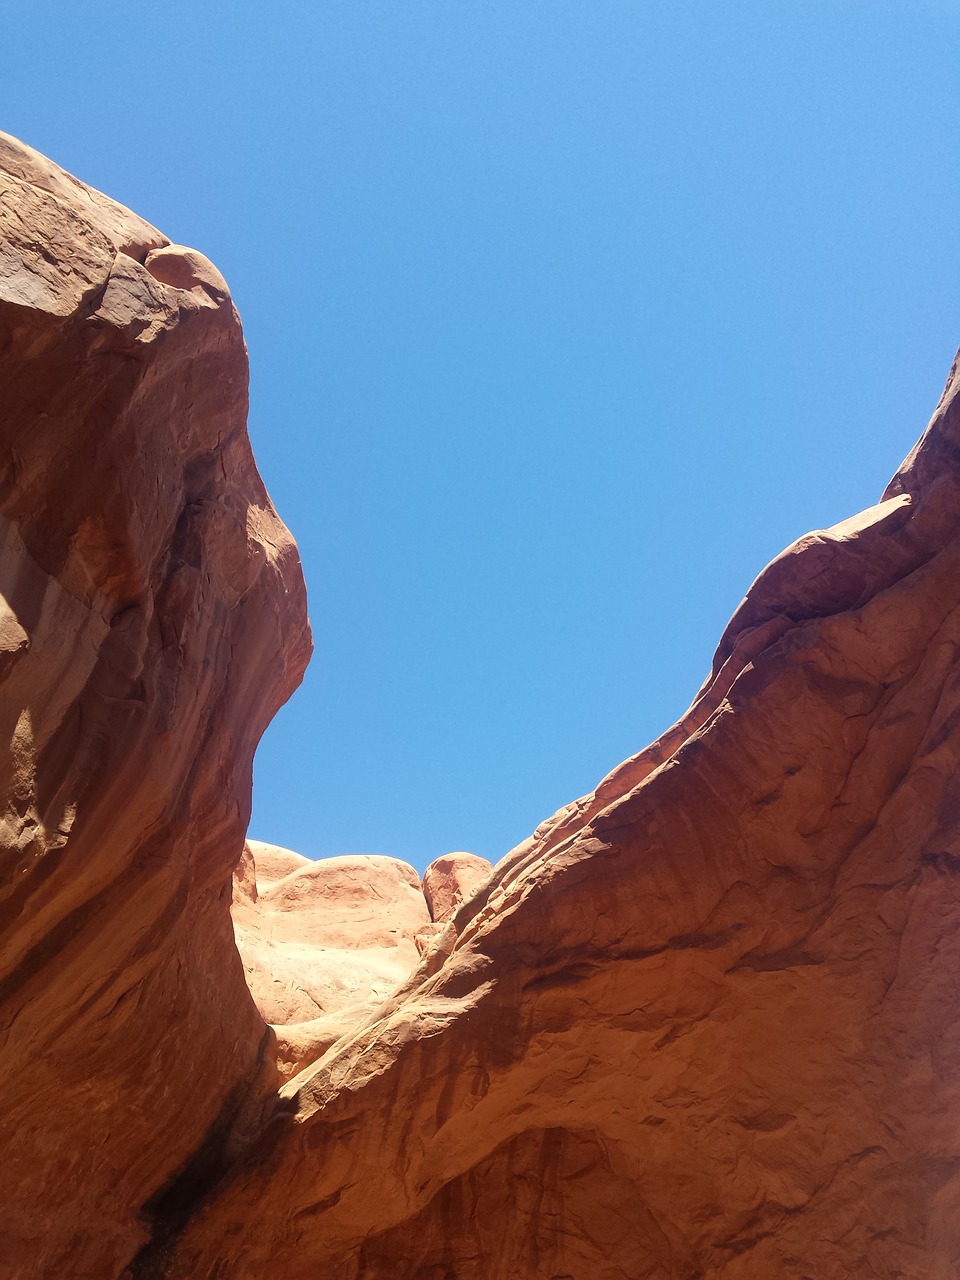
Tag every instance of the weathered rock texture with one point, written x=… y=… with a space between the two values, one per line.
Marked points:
x=152 y=620
x=703 y=1025
x=705 y=1022
x=324 y=943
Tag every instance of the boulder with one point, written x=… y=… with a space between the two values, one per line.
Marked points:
x=451 y=880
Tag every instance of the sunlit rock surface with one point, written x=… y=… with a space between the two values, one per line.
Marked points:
x=704 y=1022
x=152 y=621
x=703 y=1025
x=324 y=943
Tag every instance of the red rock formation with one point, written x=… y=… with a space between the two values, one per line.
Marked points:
x=152 y=621
x=450 y=881
x=324 y=943
x=703 y=1024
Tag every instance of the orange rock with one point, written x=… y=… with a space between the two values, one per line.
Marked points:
x=323 y=943
x=703 y=1023
x=451 y=880
x=264 y=864
x=153 y=619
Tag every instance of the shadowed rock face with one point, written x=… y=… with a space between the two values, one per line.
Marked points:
x=152 y=620
x=703 y=1025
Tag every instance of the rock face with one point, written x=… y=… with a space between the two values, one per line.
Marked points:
x=704 y=1022
x=450 y=881
x=701 y=1026
x=152 y=620
x=324 y=943
x=329 y=934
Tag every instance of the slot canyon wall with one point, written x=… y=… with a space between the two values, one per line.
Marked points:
x=702 y=1025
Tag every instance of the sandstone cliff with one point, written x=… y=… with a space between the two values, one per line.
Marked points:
x=152 y=620
x=702 y=1025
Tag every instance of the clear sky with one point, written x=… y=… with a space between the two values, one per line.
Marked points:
x=564 y=318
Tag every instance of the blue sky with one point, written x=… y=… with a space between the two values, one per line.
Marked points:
x=564 y=318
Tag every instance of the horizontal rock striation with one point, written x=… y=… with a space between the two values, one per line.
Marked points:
x=702 y=1025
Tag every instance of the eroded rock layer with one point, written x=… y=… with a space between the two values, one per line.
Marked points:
x=324 y=943
x=152 y=620
x=703 y=1025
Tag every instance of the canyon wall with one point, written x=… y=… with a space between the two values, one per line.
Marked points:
x=702 y=1025
x=152 y=620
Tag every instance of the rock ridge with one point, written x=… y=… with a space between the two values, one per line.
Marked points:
x=701 y=1025
x=153 y=620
